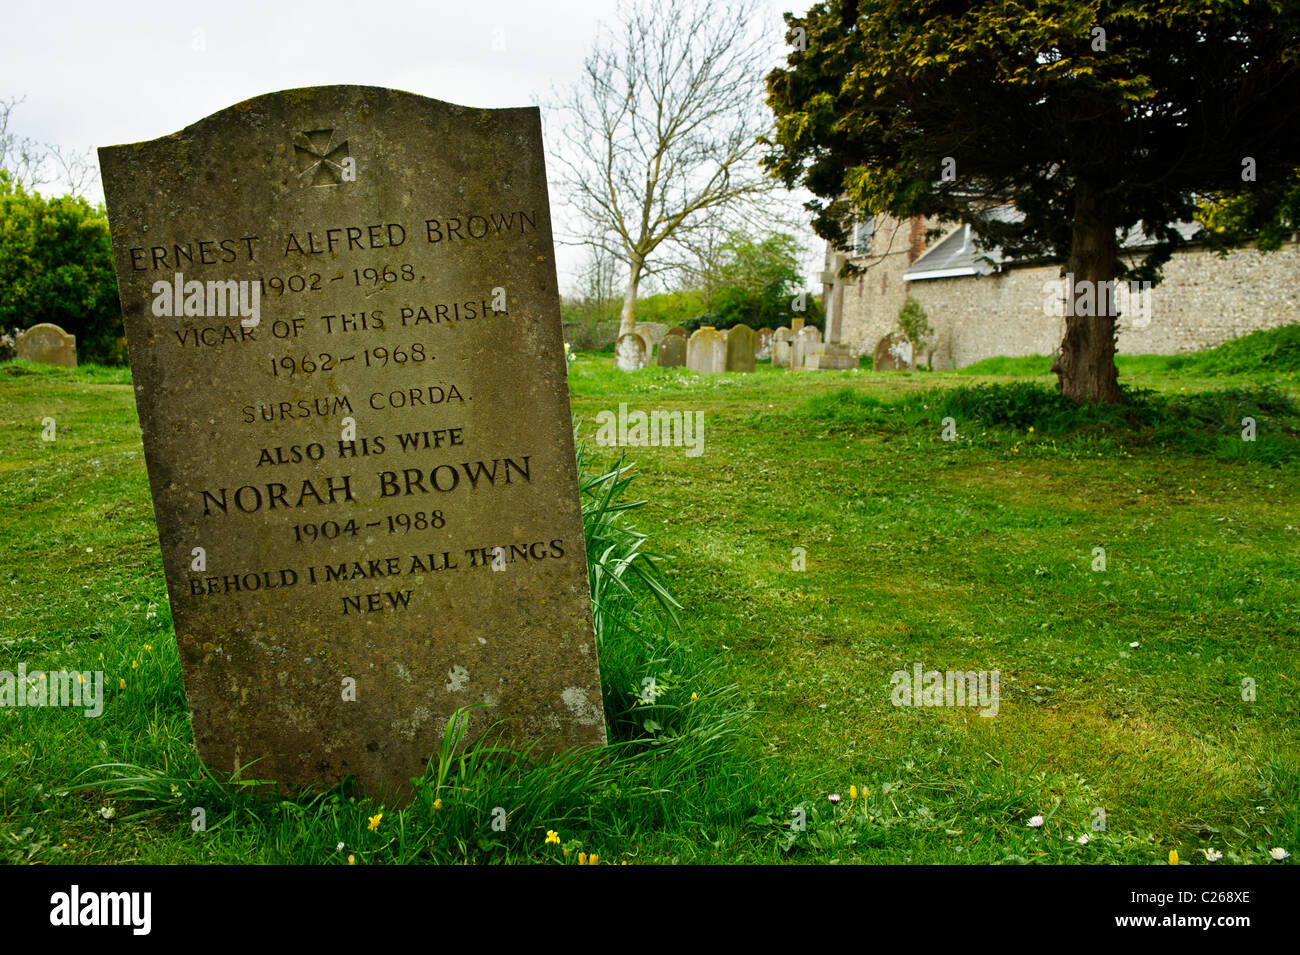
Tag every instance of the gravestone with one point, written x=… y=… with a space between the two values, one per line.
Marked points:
x=781 y=339
x=360 y=449
x=677 y=330
x=706 y=351
x=893 y=353
x=740 y=348
x=672 y=351
x=805 y=338
x=652 y=332
x=48 y=345
x=763 y=344
x=630 y=354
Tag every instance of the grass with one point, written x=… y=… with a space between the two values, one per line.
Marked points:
x=1121 y=689
x=1263 y=355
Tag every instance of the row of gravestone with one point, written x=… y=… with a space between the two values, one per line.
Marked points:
x=43 y=344
x=712 y=351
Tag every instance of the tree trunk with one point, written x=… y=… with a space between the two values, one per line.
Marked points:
x=1086 y=366
x=628 y=321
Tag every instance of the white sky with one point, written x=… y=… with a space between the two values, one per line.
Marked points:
x=98 y=74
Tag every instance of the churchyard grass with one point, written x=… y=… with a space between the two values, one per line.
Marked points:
x=1121 y=689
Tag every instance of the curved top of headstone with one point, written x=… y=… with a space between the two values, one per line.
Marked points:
x=367 y=97
x=341 y=146
x=46 y=331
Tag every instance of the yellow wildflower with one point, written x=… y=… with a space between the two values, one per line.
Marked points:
x=853 y=792
x=121 y=684
x=582 y=858
x=1173 y=857
x=148 y=646
x=437 y=804
x=135 y=664
x=593 y=859
x=352 y=860
x=552 y=837
x=374 y=822
x=694 y=697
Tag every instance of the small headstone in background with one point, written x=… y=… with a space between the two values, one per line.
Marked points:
x=805 y=338
x=781 y=339
x=740 y=348
x=893 y=353
x=672 y=351
x=706 y=351
x=47 y=344
x=630 y=352
x=763 y=344
x=652 y=332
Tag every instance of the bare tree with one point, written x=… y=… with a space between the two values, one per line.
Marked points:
x=660 y=139
x=32 y=164
x=599 y=280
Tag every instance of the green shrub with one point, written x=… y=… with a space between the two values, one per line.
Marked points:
x=914 y=323
x=56 y=265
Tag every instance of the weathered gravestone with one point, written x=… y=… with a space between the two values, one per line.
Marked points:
x=763 y=344
x=48 y=345
x=672 y=351
x=652 y=332
x=677 y=330
x=630 y=353
x=360 y=450
x=706 y=350
x=893 y=353
x=781 y=339
x=805 y=338
x=740 y=348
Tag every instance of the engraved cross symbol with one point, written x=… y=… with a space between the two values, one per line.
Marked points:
x=319 y=158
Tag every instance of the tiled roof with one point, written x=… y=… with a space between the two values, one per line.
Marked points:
x=959 y=254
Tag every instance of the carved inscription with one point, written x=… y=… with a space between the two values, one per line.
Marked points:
x=354 y=405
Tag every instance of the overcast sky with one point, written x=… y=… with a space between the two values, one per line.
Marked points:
x=98 y=74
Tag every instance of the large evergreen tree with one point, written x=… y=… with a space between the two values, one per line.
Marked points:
x=1092 y=117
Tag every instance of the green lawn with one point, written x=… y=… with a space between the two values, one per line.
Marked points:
x=1121 y=688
